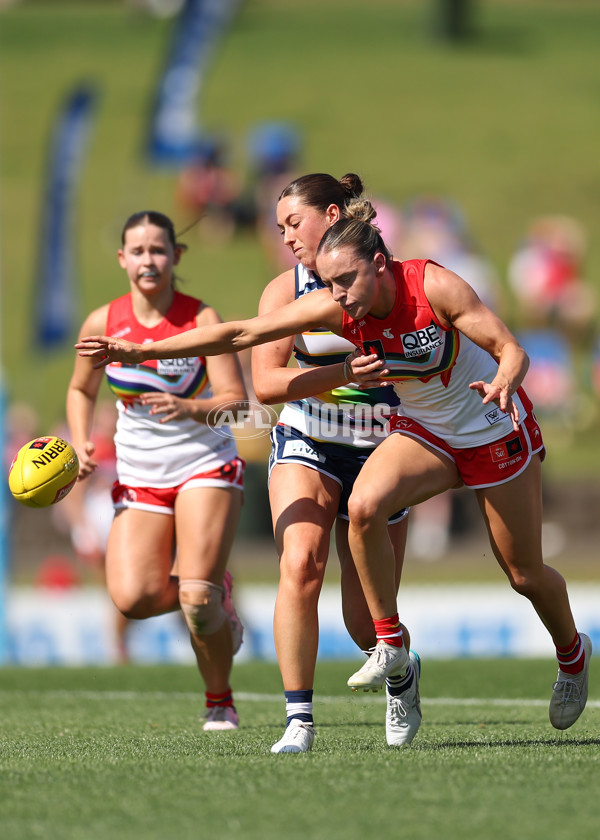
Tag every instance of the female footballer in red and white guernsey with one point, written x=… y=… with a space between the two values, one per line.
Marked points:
x=180 y=484
x=466 y=421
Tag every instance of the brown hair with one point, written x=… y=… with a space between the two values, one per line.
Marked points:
x=152 y=217
x=356 y=231
x=320 y=190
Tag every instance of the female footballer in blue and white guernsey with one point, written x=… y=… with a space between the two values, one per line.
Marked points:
x=466 y=420
x=179 y=489
x=325 y=433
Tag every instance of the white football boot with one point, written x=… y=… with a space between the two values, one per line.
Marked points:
x=570 y=692
x=221 y=719
x=403 y=711
x=297 y=738
x=385 y=661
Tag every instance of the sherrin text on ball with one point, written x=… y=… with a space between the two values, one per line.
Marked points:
x=43 y=471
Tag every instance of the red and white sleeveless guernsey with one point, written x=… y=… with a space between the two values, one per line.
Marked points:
x=150 y=453
x=431 y=366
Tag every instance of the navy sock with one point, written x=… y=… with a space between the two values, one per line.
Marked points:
x=396 y=685
x=298 y=705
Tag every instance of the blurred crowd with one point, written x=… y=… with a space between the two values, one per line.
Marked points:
x=544 y=296
x=542 y=293
x=211 y=192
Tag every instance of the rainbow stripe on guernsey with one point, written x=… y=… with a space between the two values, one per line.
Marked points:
x=127 y=382
x=410 y=339
x=186 y=378
x=438 y=360
x=343 y=415
x=150 y=452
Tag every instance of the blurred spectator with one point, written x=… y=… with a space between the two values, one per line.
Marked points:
x=208 y=190
x=546 y=276
x=436 y=228
x=429 y=528
x=87 y=512
x=390 y=222
x=550 y=381
x=57 y=572
x=273 y=150
x=21 y=426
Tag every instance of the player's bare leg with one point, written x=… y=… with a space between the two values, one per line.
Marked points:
x=304 y=506
x=513 y=514
x=139 y=558
x=403 y=705
x=206 y=521
x=399 y=473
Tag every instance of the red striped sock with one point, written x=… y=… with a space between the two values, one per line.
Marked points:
x=225 y=699
x=389 y=630
x=572 y=658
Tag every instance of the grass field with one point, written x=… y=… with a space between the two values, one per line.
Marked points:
x=507 y=124
x=118 y=753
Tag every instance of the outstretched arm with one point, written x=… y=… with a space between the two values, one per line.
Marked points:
x=275 y=382
x=312 y=310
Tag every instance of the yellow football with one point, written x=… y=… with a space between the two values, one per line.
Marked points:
x=43 y=471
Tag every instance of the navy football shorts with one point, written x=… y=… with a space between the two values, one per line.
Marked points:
x=342 y=463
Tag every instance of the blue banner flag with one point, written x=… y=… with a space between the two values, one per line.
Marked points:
x=55 y=297
x=174 y=134
x=4 y=537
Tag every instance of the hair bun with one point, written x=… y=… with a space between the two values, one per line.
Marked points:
x=352 y=184
x=360 y=209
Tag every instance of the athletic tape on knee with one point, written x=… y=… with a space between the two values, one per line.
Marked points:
x=202 y=606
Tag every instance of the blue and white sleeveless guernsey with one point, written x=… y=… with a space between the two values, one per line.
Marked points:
x=151 y=453
x=344 y=415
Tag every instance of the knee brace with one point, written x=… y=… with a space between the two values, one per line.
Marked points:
x=202 y=606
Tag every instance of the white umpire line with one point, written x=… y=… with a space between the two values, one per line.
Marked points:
x=251 y=697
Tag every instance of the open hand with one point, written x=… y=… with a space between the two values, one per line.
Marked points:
x=171 y=406
x=490 y=392
x=104 y=350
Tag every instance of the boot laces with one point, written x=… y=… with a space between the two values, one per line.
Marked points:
x=568 y=691
x=398 y=708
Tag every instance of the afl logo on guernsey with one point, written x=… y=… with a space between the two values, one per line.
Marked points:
x=421 y=342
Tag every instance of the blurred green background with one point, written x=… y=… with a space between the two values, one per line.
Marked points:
x=506 y=123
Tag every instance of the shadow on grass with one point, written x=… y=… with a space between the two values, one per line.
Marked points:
x=490 y=743
x=516 y=742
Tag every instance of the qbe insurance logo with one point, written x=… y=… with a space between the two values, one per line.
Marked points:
x=245 y=420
